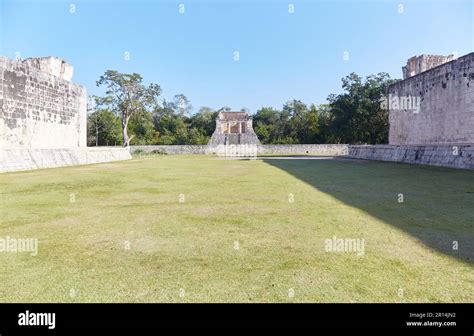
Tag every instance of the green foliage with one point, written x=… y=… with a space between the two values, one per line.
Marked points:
x=142 y=129
x=103 y=128
x=175 y=128
x=126 y=96
x=357 y=115
x=296 y=123
x=354 y=116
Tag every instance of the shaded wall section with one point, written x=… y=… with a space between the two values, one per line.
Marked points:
x=454 y=156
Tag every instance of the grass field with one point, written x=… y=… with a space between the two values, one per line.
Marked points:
x=206 y=229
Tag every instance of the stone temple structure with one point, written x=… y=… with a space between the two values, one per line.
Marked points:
x=233 y=128
x=43 y=117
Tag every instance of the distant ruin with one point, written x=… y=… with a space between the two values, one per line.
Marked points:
x=234 y=128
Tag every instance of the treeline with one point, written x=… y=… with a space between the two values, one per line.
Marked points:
x=354 y=116
x=161 y=127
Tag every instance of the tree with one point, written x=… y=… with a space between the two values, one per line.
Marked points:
x=204 y=121
x=357 y=115
x=181 y=105
x=303 y=122
x=142 y=129
x=126 y=95
x=103 y=128
x=266 y=123
x=325 y=120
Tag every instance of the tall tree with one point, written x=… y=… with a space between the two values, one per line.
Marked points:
x=182 y=105
x=126 y=95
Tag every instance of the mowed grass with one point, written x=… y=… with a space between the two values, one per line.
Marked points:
x=245 y=231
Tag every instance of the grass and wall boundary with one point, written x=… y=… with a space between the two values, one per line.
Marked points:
x=452 y=156
x=305 y=149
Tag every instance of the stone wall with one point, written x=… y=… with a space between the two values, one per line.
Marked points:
x=261 y=149
x=435 y=106
x=39 y=106
x=418 y=64
x=454 y=156
x=43 y=117
x=170 y=149
x=309 y=149
x=16 y=159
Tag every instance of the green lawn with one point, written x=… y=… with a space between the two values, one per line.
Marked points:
x=237 y=237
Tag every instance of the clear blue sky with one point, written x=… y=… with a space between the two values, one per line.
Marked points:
x=282 y=55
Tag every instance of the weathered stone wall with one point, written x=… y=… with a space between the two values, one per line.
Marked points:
x=454 y=156
x=261 y=149
x=170 y=149
x=445 y=114
x=39 y=106
x=16 y=159
x=418 y=64
x=43 y=117
x=309 y=149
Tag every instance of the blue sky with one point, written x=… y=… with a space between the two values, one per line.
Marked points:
x=282 y=55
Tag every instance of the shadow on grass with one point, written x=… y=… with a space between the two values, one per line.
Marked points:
x=438 y=203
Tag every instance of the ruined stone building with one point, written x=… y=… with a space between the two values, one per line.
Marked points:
x=443 y=89
x=40 y=107
x=419 y=64
x=234 y=128
x=43 y=117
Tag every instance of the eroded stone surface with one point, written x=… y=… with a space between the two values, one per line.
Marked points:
x=445 y=114
x=454 y=156
x=233 y=128
x=16 y=159
x=309 y=149
x=418 y=64
x=39 y=105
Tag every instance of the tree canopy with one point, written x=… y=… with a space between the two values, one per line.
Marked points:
x=133 y=113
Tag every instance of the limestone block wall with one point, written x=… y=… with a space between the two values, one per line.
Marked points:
x=170 y=149
x=39 y=106
x=454 y=156
x=418 y=64
x=311 y=149
x=17 y=159
x=445 y=111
